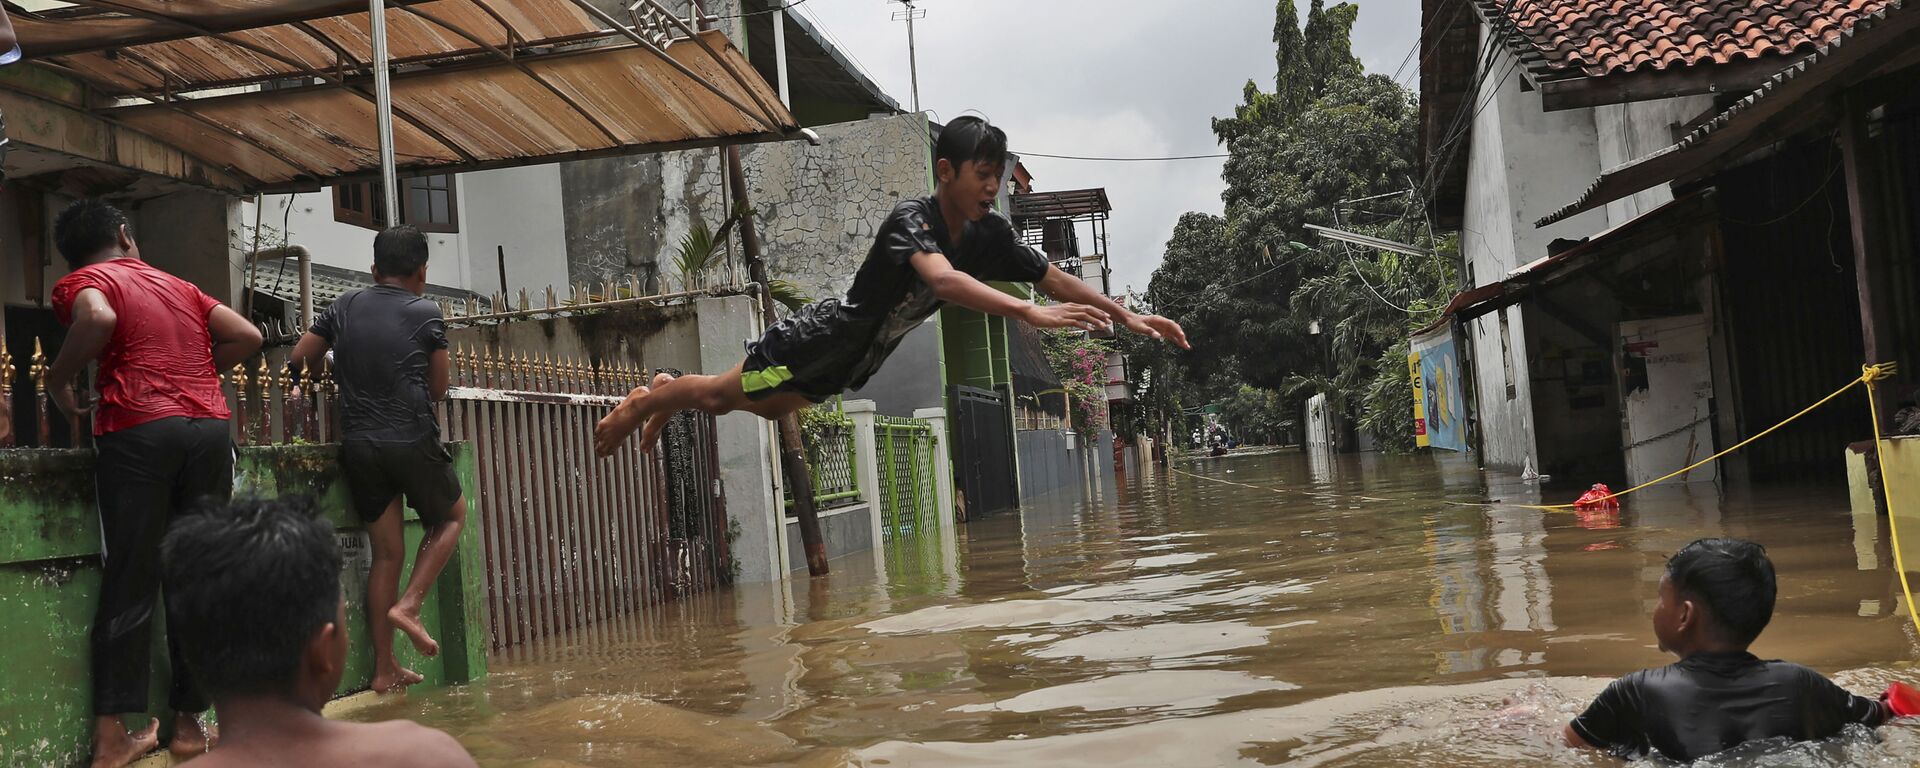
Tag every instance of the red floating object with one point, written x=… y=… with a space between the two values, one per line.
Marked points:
x=1597 y=499
x=1903 y=699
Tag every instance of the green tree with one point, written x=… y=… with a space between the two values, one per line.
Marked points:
x=1328 y=136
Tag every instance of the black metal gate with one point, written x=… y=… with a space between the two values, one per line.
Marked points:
x=983 y=450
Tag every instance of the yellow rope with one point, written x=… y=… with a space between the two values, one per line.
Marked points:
x=1869 y=375
x=1872 y=371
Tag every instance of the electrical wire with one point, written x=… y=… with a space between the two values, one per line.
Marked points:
x=1123 y=159
x=1160 y=306
x=748 y=14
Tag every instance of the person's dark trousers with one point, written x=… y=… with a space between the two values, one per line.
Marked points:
x=146 y=477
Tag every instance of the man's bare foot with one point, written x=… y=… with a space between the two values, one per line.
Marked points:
x=192 y=737
x=616 y=426
x=114 y=747
x=394 y=679
x=406 y=618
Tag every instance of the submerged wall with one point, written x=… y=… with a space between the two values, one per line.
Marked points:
x=50 y=576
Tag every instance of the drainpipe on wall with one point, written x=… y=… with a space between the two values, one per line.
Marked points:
x=306 y=277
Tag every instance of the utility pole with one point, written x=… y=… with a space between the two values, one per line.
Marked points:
x=793 y=452
x=913 y=59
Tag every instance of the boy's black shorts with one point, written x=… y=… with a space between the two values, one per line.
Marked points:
x=816 y=353
x=422 y=471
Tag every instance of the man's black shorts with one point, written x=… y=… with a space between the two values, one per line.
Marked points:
x=378 y=473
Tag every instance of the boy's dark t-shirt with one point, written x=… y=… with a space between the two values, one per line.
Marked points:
x=836 y=344
x=1712 y=702
x=383 y=338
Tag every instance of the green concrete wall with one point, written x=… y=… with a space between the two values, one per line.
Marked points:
x=49 y=577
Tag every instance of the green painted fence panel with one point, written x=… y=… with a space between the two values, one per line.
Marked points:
x=49 y=576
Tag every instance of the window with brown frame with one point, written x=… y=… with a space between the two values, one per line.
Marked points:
x=427 y=202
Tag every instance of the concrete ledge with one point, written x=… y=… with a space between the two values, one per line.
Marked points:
x=847 y=530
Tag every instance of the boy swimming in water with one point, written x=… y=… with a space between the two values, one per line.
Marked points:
x=255 y=586
x=1715 y=598
x=930 y=251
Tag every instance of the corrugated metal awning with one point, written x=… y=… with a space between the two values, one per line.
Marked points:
x=1532 y=277
x=1777 y=109
x=281 y=95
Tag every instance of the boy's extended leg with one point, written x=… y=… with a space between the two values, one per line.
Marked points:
x=387 y=538
x=716 y=395
x=771 y=408
x=436 y=548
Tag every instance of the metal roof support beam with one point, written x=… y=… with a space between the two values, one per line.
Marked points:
x=522 y=162
x=630 y=34
x=514 y=38
x=289 y=61
x=765 y=110
x=341 y=8
x=524 y=69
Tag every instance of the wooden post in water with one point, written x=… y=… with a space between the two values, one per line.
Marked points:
x=793 y=453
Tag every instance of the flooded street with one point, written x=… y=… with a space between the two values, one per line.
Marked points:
x=1180 y=620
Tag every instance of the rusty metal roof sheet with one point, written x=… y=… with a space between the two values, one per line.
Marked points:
x=280 y=93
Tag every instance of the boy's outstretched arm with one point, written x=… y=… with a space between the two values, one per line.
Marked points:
x=1065 y=287
x=957 y=287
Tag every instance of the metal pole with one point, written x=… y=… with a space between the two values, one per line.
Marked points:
x=913 y=60
x=780 y=53
x=383 y=102
x=793 y=452
x=501 y=250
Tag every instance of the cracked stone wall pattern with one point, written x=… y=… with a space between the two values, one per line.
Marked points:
x=817 y=207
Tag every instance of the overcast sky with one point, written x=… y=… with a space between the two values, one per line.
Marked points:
x=1123 y=78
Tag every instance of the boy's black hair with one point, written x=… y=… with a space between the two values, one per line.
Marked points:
x=247 y=584
x=971 y=138
x=1733 y=577
x=399 y=251
x=85 y=228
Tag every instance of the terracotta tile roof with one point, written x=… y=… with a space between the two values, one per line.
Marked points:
x=1568 y=38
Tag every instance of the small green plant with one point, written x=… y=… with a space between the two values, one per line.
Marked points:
x=788 y=295
x=698 y=253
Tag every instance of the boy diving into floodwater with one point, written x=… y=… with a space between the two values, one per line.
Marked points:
x=256 y=587
x=930 y=251
x=1715 y=598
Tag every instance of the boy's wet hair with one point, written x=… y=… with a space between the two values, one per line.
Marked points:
x=247 y=584
x=85 y=228
x=1733 y=577
x=971 y=138
x=399 y=251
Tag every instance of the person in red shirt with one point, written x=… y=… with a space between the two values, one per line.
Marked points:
x=161 y=447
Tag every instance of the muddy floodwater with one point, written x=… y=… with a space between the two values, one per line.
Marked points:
x=1252 y=610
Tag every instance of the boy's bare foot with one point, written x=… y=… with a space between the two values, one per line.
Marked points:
x=115 y=747
x=192 y=737
x=615 y=427
x=406 y=618
x=394 y=680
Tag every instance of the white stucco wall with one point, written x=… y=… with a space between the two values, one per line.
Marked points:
x=518 y=208
x=1522 y=163
x=1628 y=132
